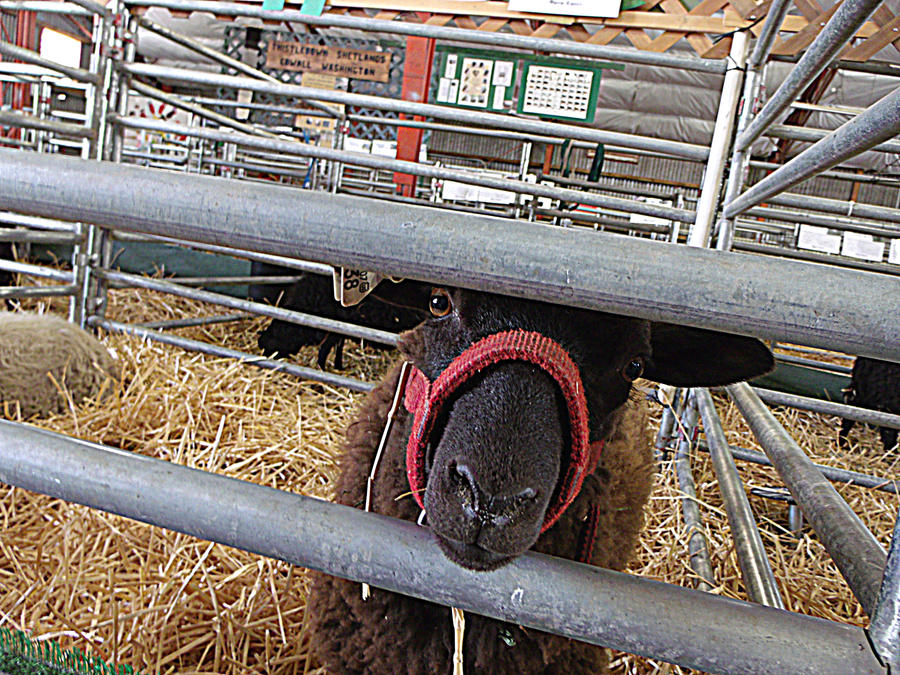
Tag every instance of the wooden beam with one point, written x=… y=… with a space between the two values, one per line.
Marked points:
x=889 y=33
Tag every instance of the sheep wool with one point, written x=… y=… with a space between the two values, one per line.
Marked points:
x=45 y=359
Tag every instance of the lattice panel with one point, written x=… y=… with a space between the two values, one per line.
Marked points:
x=657 y=25
x=236 y=38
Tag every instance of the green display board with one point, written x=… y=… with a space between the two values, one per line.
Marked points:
x=559 y=90
x=471 y=79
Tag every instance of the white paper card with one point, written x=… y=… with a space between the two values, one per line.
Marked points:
x=443 y=95
x=450 y=69
x=499 y=96
x=357 y=145
x=503 y=72
x=862 y=246
x=894 y=252
x=642 y=219
x=814 y=238
x=454 y=91
x=384 y=148
x=607 y=8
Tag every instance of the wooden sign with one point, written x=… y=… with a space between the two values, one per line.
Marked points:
x=337 y=61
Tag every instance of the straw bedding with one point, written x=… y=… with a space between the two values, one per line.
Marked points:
x=167 y=603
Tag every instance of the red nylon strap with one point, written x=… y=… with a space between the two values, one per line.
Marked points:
x=426 y=399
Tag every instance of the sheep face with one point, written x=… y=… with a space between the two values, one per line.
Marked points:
x=497 y=452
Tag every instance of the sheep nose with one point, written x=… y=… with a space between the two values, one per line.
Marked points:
x=479 y=504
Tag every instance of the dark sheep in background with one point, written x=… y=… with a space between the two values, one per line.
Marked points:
x=874 y=384
x=315 y=295
x=6 y=253
x=496 y=468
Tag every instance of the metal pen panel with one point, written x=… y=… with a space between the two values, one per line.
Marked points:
x=840 y=28
x=784 y=300
x=560 y=596
x=471 y=117
x=755 y=568
x=855 y=551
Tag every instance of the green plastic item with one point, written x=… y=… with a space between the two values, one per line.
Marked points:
x=22 y=655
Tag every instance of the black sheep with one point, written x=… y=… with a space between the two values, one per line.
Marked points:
x=873 y=384
x=315 y=295
x=521 y=431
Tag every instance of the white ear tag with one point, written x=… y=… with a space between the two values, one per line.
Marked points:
x=352 y=285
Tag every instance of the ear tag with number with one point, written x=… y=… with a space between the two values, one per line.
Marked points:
x=352 y=285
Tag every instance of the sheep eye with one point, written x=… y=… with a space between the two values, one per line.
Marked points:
x=634 y=369
x=439 y=304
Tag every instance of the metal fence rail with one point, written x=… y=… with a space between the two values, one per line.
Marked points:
x=568 y=598
x=817 y=305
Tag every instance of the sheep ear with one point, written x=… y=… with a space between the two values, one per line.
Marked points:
x=695 y=357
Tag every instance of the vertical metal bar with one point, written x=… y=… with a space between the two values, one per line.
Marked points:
x=774 y=18
x=721 y=139
x=885 y=627
x=855 y=551
x=840 y=28
x=697 y=544
x=755 y=569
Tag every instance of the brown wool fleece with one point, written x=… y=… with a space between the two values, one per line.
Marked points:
x=393 y=634
x=43 y=357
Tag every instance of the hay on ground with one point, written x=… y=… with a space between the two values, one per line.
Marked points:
x=167 y=603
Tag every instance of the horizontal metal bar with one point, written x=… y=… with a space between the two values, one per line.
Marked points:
x=579 y=601
x=19 y=219
x=300 y=372
x=606 y=221
x=45 y=6
x=198 y=110
x=193 y=321
x=877 y=124
x=495 y=40
x=259 y=168
x=299 y=318
x=833 y=474
x=28 y=56
x=414 y=168
x=879 y=179
x=811 y=135
x=855 y=551
x=16 y=119
x=756 y=571
x=8 y=292
x=813 y=256
x=293 y=263
x=834 y=35
x=784 y=300
x=19 y=236
x=812 y=363
x=472 y=118
x=36 y=271
x=833 y=222
x=836 y=206
x=850 y=412
x=280 y=280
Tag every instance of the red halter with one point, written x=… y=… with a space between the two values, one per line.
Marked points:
x=426 y=399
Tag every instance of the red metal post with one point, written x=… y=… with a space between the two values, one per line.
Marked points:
x=416 y=80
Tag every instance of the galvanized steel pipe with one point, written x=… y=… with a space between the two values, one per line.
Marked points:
x=300 y=372
x=24 y=121
x=429 y=171
x=299 y=318
x=877 y=124
x=855 y=551
x=470 y=117
x=850 y=412
x=28 y=56
x=885 y=627
x=788 y=301
x=491 y=39
x=661 y=621
x=756 y=571
x=840 y=28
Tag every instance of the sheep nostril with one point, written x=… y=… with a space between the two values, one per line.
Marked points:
x=463 y=482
